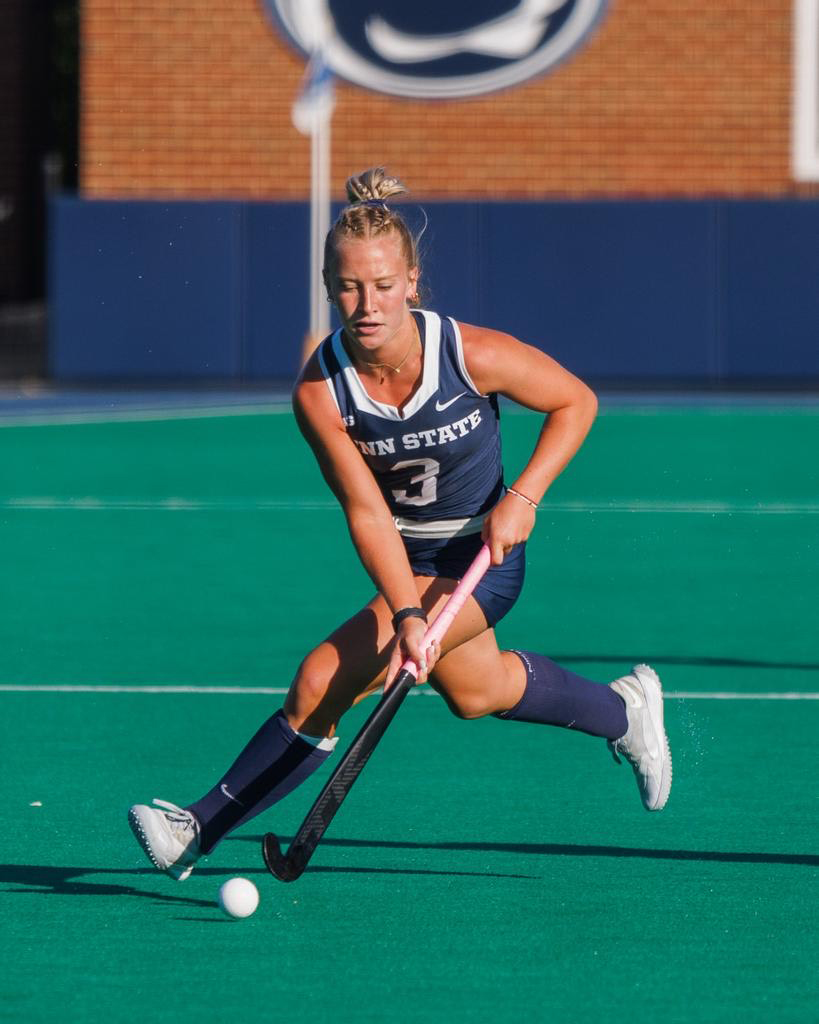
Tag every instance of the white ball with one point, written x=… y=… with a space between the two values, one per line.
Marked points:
x=238 y=897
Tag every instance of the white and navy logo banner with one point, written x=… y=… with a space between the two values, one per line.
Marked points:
x=432 y=50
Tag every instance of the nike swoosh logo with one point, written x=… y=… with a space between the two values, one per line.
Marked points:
x=440 y=406
x=651 y=744
x=230 y=796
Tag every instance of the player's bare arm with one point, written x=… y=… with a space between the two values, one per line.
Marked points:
x=371 y=527
x=497 y=362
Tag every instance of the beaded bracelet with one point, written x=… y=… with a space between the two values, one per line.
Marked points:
x=517 y=494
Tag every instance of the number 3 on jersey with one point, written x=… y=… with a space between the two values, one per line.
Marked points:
x=427 y=478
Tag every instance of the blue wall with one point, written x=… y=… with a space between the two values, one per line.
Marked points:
x=704 y=292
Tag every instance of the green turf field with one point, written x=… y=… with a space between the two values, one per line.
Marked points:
x=483 y=871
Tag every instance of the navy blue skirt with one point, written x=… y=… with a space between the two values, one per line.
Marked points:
x=499 y=588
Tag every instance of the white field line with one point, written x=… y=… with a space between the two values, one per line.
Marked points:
x=80 y=417
x=700 y=404
x=77 y=417
x=729 y=695
x=420 y=691
x=104 y=688
x=91 y=504
x=700 y=508
x=49 y=503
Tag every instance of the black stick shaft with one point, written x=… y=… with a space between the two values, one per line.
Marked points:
x=289 y=867
x=341 y=781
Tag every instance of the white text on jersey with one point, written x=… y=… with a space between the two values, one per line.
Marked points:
x=423 y=438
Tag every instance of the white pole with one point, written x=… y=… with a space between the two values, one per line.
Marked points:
x=312 y=115
x=805 y=116
x=320 y=150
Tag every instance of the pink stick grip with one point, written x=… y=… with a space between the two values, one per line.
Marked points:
x=445 y=617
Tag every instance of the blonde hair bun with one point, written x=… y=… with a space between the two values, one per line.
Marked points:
x=374 y=185
x=368 y=216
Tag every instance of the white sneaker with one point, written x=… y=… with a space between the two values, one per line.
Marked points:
x=170 y=837
x=645 y=745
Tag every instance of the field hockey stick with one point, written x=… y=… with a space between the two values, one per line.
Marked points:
x=288 y=867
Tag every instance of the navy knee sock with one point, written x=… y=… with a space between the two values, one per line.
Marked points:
x=555 y=696
x=274 y=762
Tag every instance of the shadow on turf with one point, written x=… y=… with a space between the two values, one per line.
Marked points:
x=61 y=881
x=51 y=880
x=556 y=850
x=326 y=869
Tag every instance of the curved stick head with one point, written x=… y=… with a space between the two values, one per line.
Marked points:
x=273 y=857
x=278 y=864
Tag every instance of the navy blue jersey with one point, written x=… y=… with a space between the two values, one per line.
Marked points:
x=440 y=456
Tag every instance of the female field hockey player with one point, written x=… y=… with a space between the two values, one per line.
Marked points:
x=400 y=407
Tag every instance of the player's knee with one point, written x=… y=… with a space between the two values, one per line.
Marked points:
x=468 y=706
x=310 y=685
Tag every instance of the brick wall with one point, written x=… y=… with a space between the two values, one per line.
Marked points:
x=667 y=97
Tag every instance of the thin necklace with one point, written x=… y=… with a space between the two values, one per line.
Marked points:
x=397 y=367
